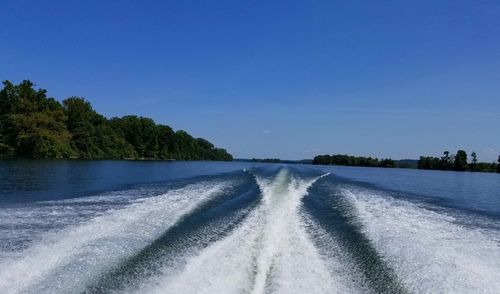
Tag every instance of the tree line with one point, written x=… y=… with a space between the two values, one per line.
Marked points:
x=457 y=162
x=347 y=160
x=267 y=160
x=36 y=126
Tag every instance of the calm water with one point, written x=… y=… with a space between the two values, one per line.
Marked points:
x=209 y=227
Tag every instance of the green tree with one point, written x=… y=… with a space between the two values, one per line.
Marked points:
x=427 y=162
x=446 y=161
x=460 y=161
x=140 y=132
x=82 y=122
x=32 y=124
x=184 y=146
x=473 y=165
x=343 y=159
x=165 y=134
x=93 y=137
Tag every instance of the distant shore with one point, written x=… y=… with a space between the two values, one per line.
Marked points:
x=452 y=162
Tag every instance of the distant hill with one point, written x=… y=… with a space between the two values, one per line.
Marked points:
x=275 y=160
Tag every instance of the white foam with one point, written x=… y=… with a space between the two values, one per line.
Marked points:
x=429 y=251
x=343 y=267
x=269 y=252
x=189 y=247
x=69 y=260
x=22 y=225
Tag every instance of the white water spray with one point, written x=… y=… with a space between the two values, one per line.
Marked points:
x=270 y=252
x=68 y=261
x=429 y=251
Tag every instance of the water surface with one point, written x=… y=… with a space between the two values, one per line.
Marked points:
x=210 y=227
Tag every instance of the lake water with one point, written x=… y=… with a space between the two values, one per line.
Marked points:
x=214 y=227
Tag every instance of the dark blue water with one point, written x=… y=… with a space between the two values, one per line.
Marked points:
x=210 y=227
x=28 y=180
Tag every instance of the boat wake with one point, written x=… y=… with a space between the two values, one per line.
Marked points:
x=256 y=231
x=431 y=252
x=69 y=260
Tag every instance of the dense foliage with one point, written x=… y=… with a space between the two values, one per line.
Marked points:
x=266 y=160
x=342 y=159
x=276 y=160
x=457 y=162
x=36 y=126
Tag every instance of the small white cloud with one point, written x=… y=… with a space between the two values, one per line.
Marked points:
x=266 y=131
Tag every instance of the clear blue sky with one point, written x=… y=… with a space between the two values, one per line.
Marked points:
x=286 y=79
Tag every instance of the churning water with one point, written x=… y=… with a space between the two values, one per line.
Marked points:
x=127 y=227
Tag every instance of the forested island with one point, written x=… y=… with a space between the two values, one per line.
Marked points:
x=275 y=160
x=455 y=162
x=33 y=125
x=347 y=160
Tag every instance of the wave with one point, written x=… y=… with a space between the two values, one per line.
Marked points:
x=22 y=226
x=270 y=252
x=192 y=234
x=270 y=230
x=431 y=252
x=67 y=261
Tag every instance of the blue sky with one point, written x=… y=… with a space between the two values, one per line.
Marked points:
x=286 y=79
